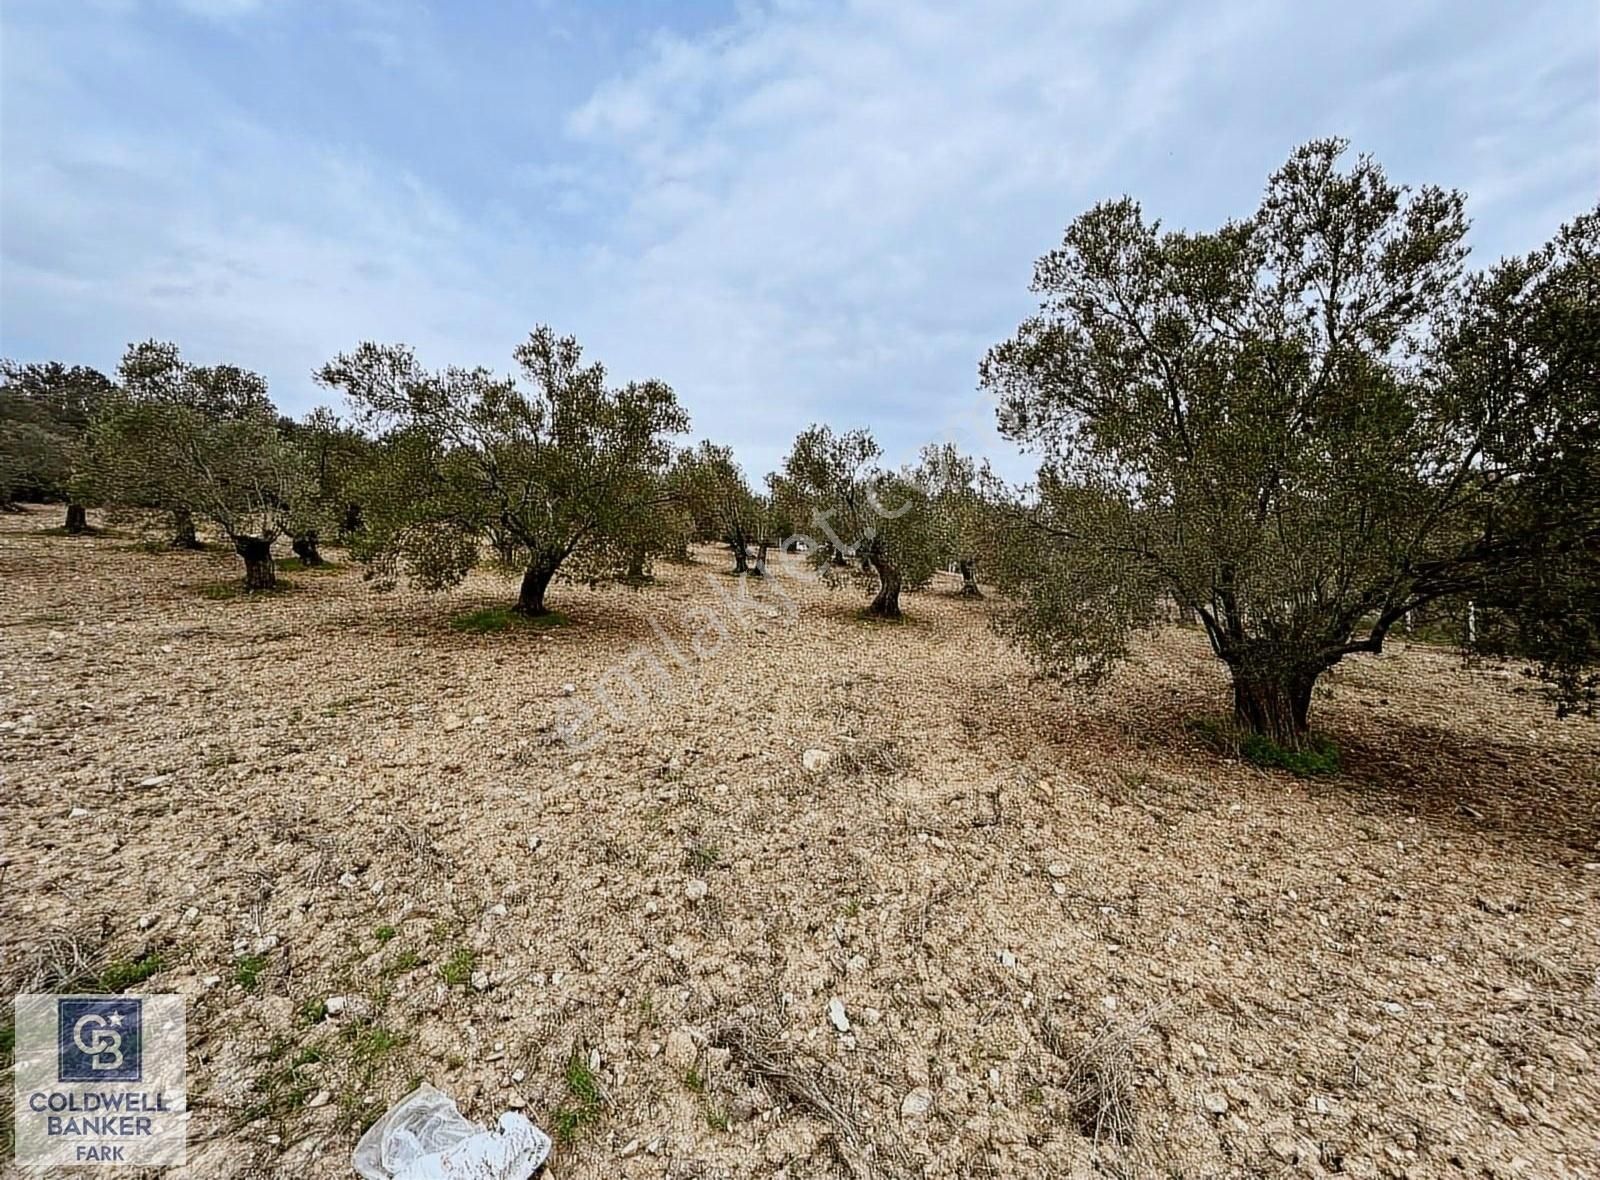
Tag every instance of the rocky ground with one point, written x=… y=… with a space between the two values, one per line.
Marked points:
x=720 y=880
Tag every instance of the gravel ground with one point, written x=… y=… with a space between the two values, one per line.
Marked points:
x=1065 y=938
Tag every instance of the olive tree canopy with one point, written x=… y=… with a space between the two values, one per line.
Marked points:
x=870 y=524
x=204 y=442
x=1247 y=421
x=568 y=472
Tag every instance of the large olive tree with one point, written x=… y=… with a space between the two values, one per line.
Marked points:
x=202 y=443
x=567 y=472
x=1244 y=420
x=722 y=505
x=865 y=522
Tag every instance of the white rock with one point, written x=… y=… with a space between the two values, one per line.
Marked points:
x=1008 y=960
x=77 y=813
x=815 y=761
x=333 y=1005
x=696 y=890
x=480 y=981
x=917 y=1103
x=836 y=1013
x=568 y=689
x=1058 y=868
x=680 y=1051
x=1216 y=1103
x=155 y=780
x=212 y=980
x=320 y=1098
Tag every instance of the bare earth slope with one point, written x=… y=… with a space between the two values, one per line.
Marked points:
x=1068 y=939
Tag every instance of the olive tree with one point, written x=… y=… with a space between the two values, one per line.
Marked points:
x=1245 y=420
x=876 y=525
x=45 y=409
x=1524 y=351
x=153 y=375
x=957 y=488
x=223 y=460
x=567 y=470
x=722 y=505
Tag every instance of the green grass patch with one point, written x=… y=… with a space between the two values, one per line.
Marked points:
x=1317 y=756
x=293 y=565
x=702 y=858
x=384 y=933
x=369 y=1042
x=121 y=974
x=494 y=619
x=247 y=971
x=582 y=1108
x=234 y=588
x=409 y=960
x=457 y=969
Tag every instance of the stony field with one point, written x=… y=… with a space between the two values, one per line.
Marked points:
x=824 y=898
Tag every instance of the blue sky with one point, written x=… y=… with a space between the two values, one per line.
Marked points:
x=790 y=212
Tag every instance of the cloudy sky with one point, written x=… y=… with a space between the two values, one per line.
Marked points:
x=792 y=212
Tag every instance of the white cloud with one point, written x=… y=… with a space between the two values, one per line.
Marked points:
x=807 y=214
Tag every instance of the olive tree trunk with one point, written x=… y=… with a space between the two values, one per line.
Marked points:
x=77 y=519
x=183 y=534
x=969 y=579
x=760 y=567
x=1275 y=702
x=535 y=581
x=305 y=548
x=260 y=571
x=886 y=603
x=741 y=557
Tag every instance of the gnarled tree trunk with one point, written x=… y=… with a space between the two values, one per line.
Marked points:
x=760 y=567
x=1273 y=701
x=260 y=572
x=969 y=579
x=183 y=534
x=741 y=557
x=535 y=581
x=77 y=519
x=886 y=603
x=305 y=548
x=636 y=571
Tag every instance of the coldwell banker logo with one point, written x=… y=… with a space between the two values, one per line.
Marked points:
x=100 y=1080
x=99 y=1040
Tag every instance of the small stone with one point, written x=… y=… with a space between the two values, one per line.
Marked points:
x=155 y=780
x=1058 y=869
x=696 y=890
x=320 y=1098
x=815 y=761
x=630 y=1148
x=917 y=1103
x=78 y=813
x=212 y=980
x=681 y=1052
x=836 y=1013
x=480 y=981
x=1216 y=1103
x=333 y=1005
x=568 y=690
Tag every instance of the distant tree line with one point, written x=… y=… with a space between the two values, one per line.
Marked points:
x=1301 y=430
